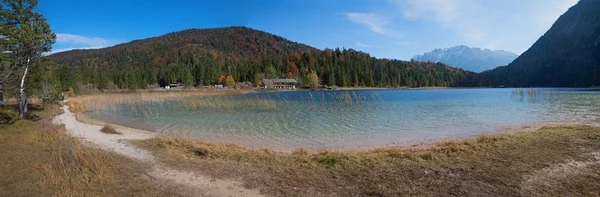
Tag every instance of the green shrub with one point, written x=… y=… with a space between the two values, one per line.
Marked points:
x=8 y=116
x=32 y=117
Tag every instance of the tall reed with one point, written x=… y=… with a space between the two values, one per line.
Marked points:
x=149 y=105
x=535 y=95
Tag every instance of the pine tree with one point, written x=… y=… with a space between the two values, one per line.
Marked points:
x=26 y=35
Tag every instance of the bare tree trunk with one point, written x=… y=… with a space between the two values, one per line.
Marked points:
x=22 y=96
x=25 y=102
x=1 y=94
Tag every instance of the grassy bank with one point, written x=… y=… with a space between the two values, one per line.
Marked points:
x=38 y=158
x=553 y=161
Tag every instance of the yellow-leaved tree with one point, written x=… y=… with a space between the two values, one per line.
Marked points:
x=229 y=81
x=221 y=80
x=313 y=79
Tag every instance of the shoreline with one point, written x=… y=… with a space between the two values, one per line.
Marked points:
x=192 y=184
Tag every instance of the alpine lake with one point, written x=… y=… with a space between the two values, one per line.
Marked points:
x=318 y=120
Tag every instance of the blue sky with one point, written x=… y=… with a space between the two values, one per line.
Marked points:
x=395 y=29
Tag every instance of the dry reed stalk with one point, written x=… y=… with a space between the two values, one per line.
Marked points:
x=108 y=129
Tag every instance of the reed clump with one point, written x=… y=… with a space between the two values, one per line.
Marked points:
x=300 y=151
x=535 y=95
x=99 y=101
x=109 y=129
x=153 y=104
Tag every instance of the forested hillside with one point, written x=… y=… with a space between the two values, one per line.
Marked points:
x=199 y=57
x=568 y=55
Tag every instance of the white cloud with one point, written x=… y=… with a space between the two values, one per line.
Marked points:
x=374 y=22
x=468 y=17
x=360 y=44
x=67 y=42
x=508 y=24
x=402 y=42
x=72 y=48
x=91 y=41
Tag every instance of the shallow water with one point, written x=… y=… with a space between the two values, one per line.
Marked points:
x=354 y=119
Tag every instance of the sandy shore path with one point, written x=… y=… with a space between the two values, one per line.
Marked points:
x=192 y=184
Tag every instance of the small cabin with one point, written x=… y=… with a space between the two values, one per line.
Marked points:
x=174 y=86
x=280 y=83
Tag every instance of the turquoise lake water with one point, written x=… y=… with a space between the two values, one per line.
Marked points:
x=355 y=119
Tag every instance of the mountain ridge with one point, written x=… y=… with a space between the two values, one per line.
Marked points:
x=199 y=36
x=468 y=58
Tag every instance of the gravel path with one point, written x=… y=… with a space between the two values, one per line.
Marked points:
x=192 y=184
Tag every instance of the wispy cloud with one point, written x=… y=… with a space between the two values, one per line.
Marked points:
x=374 y=22
x=67 y=42
x=463 y=15
x=509 y=24
x=402 y=42
x=83 y=40
x=360 y=44
x=74 y=48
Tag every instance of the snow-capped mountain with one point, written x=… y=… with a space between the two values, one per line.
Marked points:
x=472 y=59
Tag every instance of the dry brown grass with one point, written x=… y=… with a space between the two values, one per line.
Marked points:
x=498 y=165
x=30 y=100
x=108 y=129
x=40 y=159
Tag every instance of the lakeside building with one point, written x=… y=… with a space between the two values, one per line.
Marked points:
x=279 y=83
x=174 y=86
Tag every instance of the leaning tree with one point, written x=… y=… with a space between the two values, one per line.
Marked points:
x=25 y=36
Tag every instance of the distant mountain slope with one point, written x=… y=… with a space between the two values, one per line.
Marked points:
x=567 y=55
x=198 y=57
x=239 y=42
x=472 y=59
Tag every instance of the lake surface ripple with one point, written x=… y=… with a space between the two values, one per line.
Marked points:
x=354 y=119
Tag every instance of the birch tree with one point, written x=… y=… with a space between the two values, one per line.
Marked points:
x=25 y=36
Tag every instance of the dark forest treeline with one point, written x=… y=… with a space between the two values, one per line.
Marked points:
x=199 y=56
